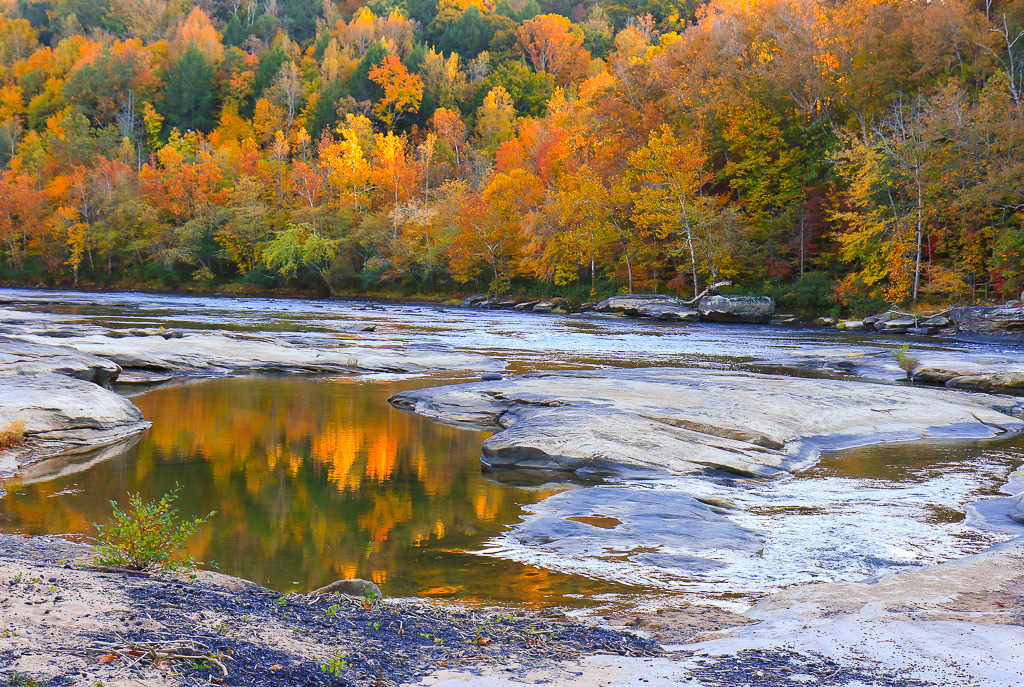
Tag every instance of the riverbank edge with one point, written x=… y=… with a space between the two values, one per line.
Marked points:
x=64 y=622
x=456 y=299
x=54 y=603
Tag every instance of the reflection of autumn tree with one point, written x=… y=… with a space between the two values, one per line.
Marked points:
x=304 y=472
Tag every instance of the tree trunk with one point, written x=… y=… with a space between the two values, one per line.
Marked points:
x=920 y=231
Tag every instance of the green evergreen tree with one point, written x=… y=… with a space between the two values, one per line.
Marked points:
x=188 y=93
x=414 y=60
x=468 y=35
x=234 y=32
x=531 y=10
x=300 y=18
x=325 y=113
x=270 y=65
x=360 y=85
x=504 y=9
x=530 y=90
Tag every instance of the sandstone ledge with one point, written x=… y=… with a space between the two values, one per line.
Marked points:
x=682 y=421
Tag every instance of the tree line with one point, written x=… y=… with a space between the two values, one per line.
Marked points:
x=838 y=154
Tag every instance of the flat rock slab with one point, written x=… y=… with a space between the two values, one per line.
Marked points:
x=974 y=372
x=239 y=353
x=662 y=528
x=634 y=304
x=684 y=421
x=20 y=357
x=986 y=372
x=62 y=415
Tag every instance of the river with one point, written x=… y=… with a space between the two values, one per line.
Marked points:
x=318 y=477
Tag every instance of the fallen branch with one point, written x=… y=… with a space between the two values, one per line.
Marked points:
x=158 y=652
x=708 y=291
x=112 y=569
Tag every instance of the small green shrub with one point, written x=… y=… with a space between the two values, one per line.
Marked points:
x=335 y=665
x=906 y=362
x=147 y=535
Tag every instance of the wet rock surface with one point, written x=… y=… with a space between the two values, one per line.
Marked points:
x=62 y=415
x=231 y=353
x=685 y=421
x=646 y=526
x=633 y=303
x=985 y=372
x=669 y=311
x=19 y=357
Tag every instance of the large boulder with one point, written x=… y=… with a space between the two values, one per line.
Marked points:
x=747 y=309
x=896 y=325
x=631 y=303
x=1016 y=512
x=62 y=415
x=550 y=305
x=669 y=312
x=350 y=587
x=999 y=320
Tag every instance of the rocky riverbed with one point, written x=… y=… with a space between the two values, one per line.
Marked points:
x=55 y=374
x=678 y=444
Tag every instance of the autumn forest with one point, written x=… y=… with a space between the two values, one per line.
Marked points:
x=839 y=155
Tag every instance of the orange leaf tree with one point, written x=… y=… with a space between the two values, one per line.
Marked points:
x=403 y=91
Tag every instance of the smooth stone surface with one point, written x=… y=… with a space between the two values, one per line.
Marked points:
x=631 y=303
x=62 y=415
x=685 y=421
x=549 y=305
x=979 y=319
x=647 y=526
x=896 y=324
x=669 y=312
x=240 y=353
x=986 y=372
x=1016 y=512
x=20 y=357
x=973 y=372
x=351 y=587
x=745 y=309
x=474 y=300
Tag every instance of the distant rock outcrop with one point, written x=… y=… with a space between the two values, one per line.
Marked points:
x=998 y=320
x=746 y=309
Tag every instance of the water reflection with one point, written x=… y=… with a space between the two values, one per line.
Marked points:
x=313 y=480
